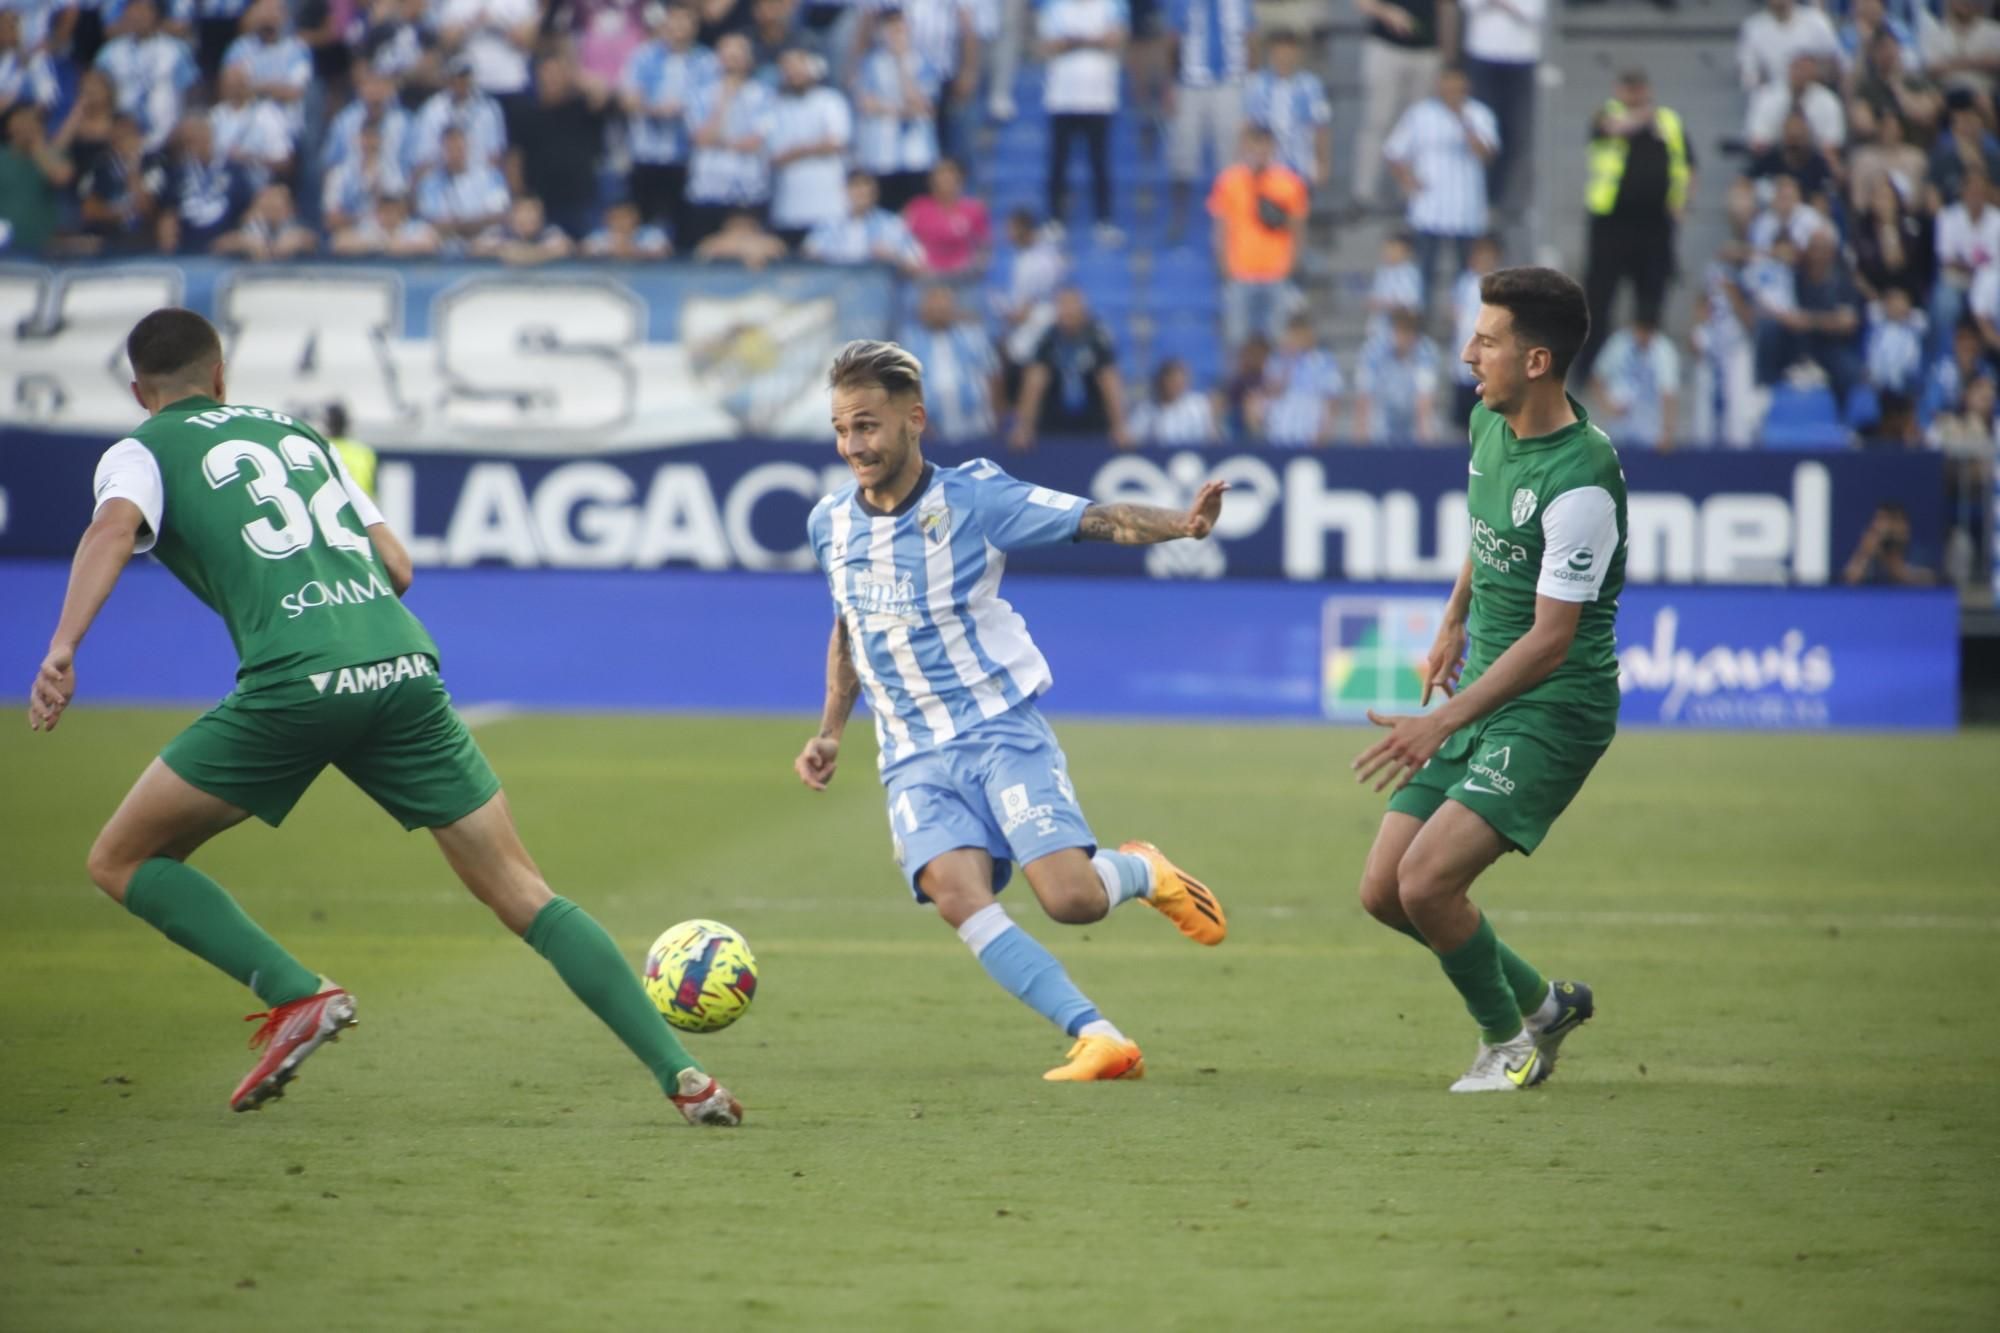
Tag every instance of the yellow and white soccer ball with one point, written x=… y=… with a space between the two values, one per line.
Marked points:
x=702 y=975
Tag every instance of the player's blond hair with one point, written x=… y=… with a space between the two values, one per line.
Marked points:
x=868 y=361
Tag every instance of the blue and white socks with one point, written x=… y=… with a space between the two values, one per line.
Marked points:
x=1125 y=876
x=1030 y=973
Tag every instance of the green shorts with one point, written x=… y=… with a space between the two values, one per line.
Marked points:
x=389 y=727
x=1517 y=768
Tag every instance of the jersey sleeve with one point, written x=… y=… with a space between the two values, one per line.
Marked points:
x=363 y=504
x=1579 y=537
x=1017 y=516
x=128 y=471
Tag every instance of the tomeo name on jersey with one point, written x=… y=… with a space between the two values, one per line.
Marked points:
x=1548 y=519
x=937 y=648
x=257 y=516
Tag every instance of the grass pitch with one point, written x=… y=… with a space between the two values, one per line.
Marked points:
x=1784 y=1116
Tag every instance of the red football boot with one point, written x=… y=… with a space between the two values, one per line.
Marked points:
x=290 y=1033
x=705 y=1102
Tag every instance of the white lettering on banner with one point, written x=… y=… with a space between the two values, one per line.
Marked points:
x=492 y=520
x=1741 y=537
x=1312 y=513
x=597 y=497
x=1791 y=667
x=758 y=482
x=532 y=355
x=1129 y=479
x=305 y=341
x=680 y=521
x=62 y=341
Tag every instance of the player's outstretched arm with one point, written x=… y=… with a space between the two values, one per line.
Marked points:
x=816 y=763
x=1147 y=525
x=100 y=558
x=395 y=558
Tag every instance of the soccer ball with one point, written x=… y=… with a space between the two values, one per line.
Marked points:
x=701 y=975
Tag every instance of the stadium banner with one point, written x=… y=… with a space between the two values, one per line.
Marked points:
x=569 y=358
x=734 y=642
x=1361 y=514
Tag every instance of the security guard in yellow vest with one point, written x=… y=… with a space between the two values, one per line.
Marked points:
x=1641 y=175
x=359 y=458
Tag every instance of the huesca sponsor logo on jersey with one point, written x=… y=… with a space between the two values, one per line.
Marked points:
x=340 y=592
x=374 y=676
x=1490 y=548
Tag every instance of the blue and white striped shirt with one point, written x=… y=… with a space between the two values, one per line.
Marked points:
x=1465 y=305
x=959 y=365
x=809 y=190
x=478 y=116
x=883 y=144
x=1393 y=384
x=343 y=134
x=1300 y=385
x=1637 y=382
x=287 y=61
x=255 y=135
x=1292 y=110
x=879 y=237
x=935 y=31
x=1722 y=332
x=479 y=191
x=1215 y=40
x=936 y=647
x=1433 y=143
x=1394 y=287
x=35 y=17
x=723 y=175
x=1188 y=419
x=29 y=79
x=352 y=187
x=662 y=76
x=1896 y=354
x=150 y=75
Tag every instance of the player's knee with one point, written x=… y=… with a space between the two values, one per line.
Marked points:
x=1381 y=896
x=1076 y=900
x=956 y=897
x=110 y=869
x=1420 y=884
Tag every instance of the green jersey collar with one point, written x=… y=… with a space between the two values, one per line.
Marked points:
x=1554 y=439
x=199 y=402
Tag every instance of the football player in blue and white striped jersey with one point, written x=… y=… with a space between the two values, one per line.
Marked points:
x=913 y=554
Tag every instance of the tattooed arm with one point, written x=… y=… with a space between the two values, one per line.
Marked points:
x=1144 y=525
x=821 y=755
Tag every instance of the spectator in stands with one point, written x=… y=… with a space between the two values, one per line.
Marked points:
x=1641 y=178
x=945 y=36
x=250 y=131
x=327 y=29
x=1243 y=389
x=388 y=229
x=526 y=238
x=151 y=72
x=1400 y=62
x=1891 y=86
x=1982 y=305
x=1801 y=94
x=497 y=36
x=1892 y=244
x=374 y=105
x=1963 y=50
x=1968 y=238
x=868 y=234
x=1395 y=386
x=1968 y=147
x=461 y=197
x=1883 y=555
x=1209 y=42
x=85 y=133
x=25 y=75
x=1081 y=42
x=1821 y=327
x=951 y=226
x=216 y=24
x=205 y=192
x=1175 y=412
x=121 y=191
x=33 y=174
x=1397 y=284
x=627 y=235
x=961 y=369
x=743 y=240
x=1796 y=155
x=1768 y=41
x=1290 y=102
x=399 y=39
x=1028 y=305
x=1725 y=391
x=1965 y=436
x=1894 y=353
x=810 y=132
x=557 y=144
x=1300 y=400
x=270 y=230
x=1866 y=20
x=1789 y=215
x=1502 y=46
x=607 y=33
x=1438 y=152
x=1260 y=213
x=1637 y=386
x=458 y=105
x=895 y=97
x=279 y=65
x=1072 y=385
x=1878 y=152
x=1945 y=381
x=657 y=88
x=1465 y=302
x=773 y=31
x=729 y=170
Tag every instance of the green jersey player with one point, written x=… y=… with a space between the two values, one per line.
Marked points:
x=1534 y=703
x=253 y=512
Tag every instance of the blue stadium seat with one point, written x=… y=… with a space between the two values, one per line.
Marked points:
x=1803 y=419
x=1198 y=344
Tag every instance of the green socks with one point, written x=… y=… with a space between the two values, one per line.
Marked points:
x=590 y=965
x=198 y=914
x=1528 y=985
x=1474 y=967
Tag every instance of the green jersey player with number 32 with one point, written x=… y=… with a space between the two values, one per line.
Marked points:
x=256 y=515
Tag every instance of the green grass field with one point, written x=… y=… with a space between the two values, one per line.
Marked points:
x=1784 y=1117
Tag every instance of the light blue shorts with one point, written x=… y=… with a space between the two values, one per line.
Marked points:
x=1002 y=787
